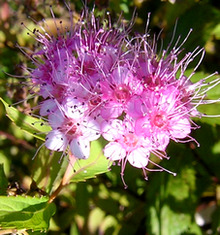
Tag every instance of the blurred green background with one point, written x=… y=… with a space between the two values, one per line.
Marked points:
x=164 y=205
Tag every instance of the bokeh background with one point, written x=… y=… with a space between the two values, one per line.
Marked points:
x=164 y=205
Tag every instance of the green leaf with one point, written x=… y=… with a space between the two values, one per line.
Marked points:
x=202 y=27
x=94 y=165
x=3 y=181
x=26 y=122
x=208 y=153
x=48 y=168
x=25 y=213
x=216 y=31
x=172 y=200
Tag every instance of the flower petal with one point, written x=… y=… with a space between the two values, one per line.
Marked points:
x=74 y=108
x=181 y=128
x=80 y=148
x=47 y=107
x=114 y=151
x=56 y=141
x=139 y=157
x=90 y=129
x=112 y=130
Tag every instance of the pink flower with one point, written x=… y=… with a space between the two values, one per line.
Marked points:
x=72 y=128
x=94 y=80
x=160 y=117
x=117 y=90
x=124 y=145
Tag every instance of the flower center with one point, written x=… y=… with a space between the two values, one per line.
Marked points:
x=122 y=92
x=95 y=101
x=69 y=128
x=159 y=120
x=130 y=140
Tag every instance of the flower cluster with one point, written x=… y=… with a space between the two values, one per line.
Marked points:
x=96 y=80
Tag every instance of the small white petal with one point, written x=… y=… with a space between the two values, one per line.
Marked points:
x=56 y=140
x=139 y=157
x=114 y=151
x=80 y=148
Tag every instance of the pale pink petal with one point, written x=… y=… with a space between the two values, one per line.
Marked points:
x=161 y=140
x=47 y=107
x=80 y=148
x=90 y=129
x=59 y=74
x=56 y=119
x=74 y=108
x=56 y=141
x=111 y=110
x=139 y=157
x=121 y=75
x=135 y=107
x=112 y=130
x=46 y=90
x=181 y=128
x=114 y=151
x=143 y=127
x=107 y=91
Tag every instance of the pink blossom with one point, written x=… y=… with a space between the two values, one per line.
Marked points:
x=124 y=145
x=117 y=91
x=160 y=117
x=94 y=80
x=72 y=128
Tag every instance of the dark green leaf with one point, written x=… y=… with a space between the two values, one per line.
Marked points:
x=3 y=181
x=172 y=200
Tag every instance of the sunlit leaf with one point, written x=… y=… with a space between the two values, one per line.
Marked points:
x=94 y=165
x=25 y=213
x=32 y=125
x=48 y=168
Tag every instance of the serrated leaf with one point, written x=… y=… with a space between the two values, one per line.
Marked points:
x=3 y=181
x=26 y=122
x=25 y=213
x=94 y=165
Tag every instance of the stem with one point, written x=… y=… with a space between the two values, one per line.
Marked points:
x=66 y=178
